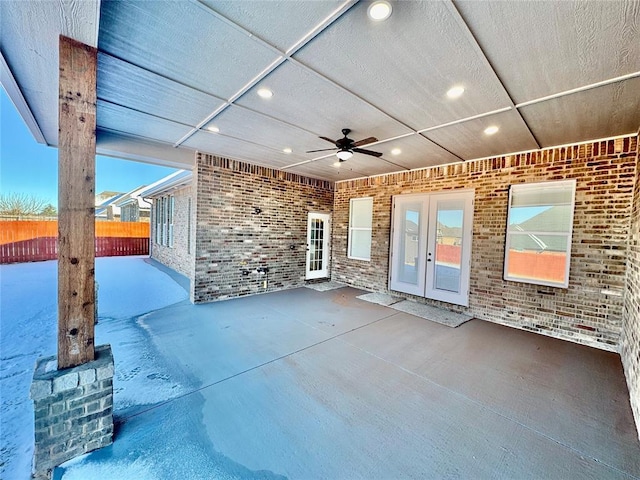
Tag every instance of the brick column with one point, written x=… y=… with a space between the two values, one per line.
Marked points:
x=73 y=410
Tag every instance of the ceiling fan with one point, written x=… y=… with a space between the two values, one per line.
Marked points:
x=347 y=147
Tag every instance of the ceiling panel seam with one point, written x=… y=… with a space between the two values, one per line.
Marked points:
x=145 y=113
x=159 y=75
x=584 y=88
x=483 y=56
x=281 y=59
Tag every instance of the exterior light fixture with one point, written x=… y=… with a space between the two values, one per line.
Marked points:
x=396 y=151
x=455 y=92
x=265 y=93
x=379 y=11
x=287 y=150
x=344 y=155
x=491 y=130
x=213 y=128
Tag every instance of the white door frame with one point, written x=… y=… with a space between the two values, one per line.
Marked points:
x=318 y=254
x=426 y=204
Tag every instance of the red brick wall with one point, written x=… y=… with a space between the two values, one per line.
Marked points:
x=589 y=311
x=231 y=238
x=630 y=342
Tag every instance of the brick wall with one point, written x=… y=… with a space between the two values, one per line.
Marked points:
x=630 y=342
x=231 y=238
x=180 y=257
x=589 y=311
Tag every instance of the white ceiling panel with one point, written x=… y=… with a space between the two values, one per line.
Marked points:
x=29 y=34
x=280 y=23
x=544 y=47
x=224 y=146
x=468 y=140
x=311 y=102
x=181 y=41
x=326 y=170
x=599 y=113
x=416 y=152
x=241 y=123
x=133 y=87
x=121 y=119
x=406 y=64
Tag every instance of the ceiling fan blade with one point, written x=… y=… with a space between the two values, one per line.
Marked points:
x=322 y=150
x=367 y=152
x=365 y=141
x=328 y=140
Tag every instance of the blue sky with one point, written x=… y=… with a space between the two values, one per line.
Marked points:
x=32 y=168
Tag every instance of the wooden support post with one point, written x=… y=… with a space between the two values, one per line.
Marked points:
x=76 y=197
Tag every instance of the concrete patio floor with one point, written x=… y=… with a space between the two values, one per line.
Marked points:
x=308 y=384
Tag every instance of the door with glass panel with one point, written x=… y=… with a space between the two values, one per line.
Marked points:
x=317 y=245
x=431 y=245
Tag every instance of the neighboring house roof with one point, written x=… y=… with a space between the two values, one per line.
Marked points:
x=134 y=197
x=105 y=200
x=176 y=180
x=551 y=220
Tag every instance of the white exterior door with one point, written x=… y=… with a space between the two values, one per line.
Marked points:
x=317 y=245
x=431 y=245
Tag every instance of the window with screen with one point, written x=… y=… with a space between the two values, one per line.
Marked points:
x=539 y=227
x=360 y=220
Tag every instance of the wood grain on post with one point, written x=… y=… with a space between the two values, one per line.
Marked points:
x=76 y=191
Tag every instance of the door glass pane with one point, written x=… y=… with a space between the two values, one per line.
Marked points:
x=407 y=263
x=316 y=246
x=448 y=256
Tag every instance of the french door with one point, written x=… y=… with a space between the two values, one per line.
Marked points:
x=317 y=245
x=431 y=245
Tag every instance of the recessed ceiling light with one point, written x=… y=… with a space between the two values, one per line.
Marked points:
x=455 y=92
x=491 y=130
x=265 y=93
x=379 y=11
x=287 y=150
x=396 y=151
x=213 y=128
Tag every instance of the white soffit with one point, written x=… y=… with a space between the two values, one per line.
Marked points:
x=611 y=109
x=282 y=23
x=317 y=105
x=541 y=48
x=406 y=64
x=223 y=146
x=468 y=140
x=129 y=86
x=180 y=41
x=29 y=32
x=119 y=119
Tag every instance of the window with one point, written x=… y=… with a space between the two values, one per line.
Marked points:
x=360 y=215
x=539 y=226
x=164 y=212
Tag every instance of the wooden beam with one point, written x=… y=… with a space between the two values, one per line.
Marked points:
x=76 y=197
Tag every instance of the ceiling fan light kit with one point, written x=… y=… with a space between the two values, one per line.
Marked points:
x=344 y=155
x=347 y=147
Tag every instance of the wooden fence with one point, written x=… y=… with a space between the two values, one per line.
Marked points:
x=36 y=240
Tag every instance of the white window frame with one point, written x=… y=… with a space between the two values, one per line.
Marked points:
x=356 y=204
x=512 y=231
x=172 y=202
x=158 y=219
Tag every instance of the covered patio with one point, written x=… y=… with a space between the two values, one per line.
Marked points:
x=309 y=384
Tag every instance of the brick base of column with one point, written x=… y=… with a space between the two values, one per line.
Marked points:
x=73 y=410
